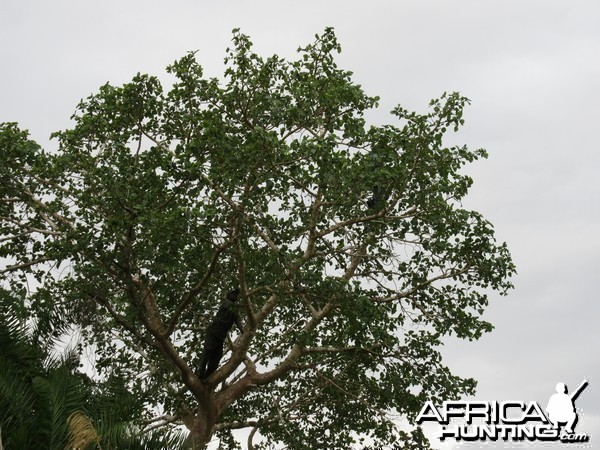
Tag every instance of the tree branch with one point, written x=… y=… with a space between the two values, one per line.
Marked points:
x=409 y=292
x=24 y=265
x=197 y=288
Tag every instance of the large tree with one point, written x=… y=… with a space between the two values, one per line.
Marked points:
x=349 y=243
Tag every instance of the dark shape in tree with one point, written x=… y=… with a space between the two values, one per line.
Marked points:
x=155 y=200
x=216 y=333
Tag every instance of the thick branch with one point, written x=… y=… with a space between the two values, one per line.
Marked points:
x=156 y=327
x=159 y=422
x=24 y=265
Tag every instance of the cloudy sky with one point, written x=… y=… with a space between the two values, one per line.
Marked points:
x=531 y=69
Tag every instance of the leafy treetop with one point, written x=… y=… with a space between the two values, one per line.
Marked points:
x=158 y=202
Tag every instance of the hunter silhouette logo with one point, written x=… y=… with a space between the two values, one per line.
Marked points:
x=561 y=406
x=508 y=420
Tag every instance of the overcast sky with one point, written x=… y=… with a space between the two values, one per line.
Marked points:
x=531 y=69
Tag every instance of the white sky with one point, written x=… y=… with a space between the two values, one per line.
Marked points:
x=531 y=68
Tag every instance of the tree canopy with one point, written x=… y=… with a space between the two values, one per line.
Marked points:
x=348 y=241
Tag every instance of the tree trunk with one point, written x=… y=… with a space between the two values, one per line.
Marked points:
x=201 y=425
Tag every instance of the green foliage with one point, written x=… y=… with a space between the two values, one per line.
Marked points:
x=39 y=390
x=160 y=200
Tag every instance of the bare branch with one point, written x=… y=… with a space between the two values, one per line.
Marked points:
x=14 y=267
x=159 y=422
x=40 y=204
